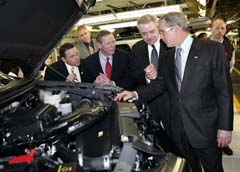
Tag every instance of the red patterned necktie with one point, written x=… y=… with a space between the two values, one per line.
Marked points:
x=108 y=69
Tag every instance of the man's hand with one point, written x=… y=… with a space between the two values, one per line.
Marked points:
x=150 y=72
x=71 y=77
x=103 y=80
x=125 y=96
x=223 y=138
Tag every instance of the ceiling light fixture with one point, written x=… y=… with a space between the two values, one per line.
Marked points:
x=118 y=25
x=130 y=15
x=154 y=11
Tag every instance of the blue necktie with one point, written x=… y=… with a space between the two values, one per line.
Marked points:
x=154 y=57
x=178 y=65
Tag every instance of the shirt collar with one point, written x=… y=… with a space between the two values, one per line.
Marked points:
x=186 y=43
x=102 y=56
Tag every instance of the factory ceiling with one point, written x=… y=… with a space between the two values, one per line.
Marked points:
x=226 y=9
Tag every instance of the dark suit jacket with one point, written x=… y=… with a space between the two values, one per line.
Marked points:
x=120 y=68
x=140 y=60
x=58 y=72
x=205 y=102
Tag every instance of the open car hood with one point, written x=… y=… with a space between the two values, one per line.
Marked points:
x=30 y=29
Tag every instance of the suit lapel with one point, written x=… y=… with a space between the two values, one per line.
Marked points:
x=63 y=68
x=98 y=65
x=146 y=54
x=190 y=67
x=115 y=65
x=171 y=68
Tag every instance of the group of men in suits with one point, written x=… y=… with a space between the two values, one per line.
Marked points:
x=93 y=68
x=194 y=104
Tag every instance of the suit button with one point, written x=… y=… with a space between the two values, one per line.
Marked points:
x=179 y=100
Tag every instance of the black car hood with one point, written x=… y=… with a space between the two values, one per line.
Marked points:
x=30 y=29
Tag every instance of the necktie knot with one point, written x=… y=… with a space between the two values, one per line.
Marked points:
x=154 y=57
x=108 y=68
x=72 y=70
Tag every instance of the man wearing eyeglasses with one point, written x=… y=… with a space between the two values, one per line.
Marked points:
x=199 y=84
x=108 y=66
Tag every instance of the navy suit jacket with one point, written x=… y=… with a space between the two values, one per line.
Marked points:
x=120 y=68
x=204 y=103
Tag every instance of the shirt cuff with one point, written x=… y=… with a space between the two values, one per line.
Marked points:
x=134 y=98
x=147 y=80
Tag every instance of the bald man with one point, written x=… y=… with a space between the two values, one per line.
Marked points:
x=219 y=29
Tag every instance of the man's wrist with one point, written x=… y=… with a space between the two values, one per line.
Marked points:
x=135 y=96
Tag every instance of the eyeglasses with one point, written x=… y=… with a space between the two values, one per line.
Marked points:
x=163 y=31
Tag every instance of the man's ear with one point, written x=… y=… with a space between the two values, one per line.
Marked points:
x=99 y=45
x=64 y=59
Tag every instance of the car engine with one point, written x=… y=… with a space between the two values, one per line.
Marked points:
x=60 y=125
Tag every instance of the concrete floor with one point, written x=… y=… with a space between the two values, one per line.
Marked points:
x=232 y=163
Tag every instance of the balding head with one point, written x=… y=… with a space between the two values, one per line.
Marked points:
x=219 y=28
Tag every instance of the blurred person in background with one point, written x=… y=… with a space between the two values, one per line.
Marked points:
x=86 y=45
x=203 y=36
x=219 y=29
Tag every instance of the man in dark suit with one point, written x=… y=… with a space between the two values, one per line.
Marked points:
x=142 y=61
x=196 y=76
x=67 y=68
x=142 y=50
x=219 y=29
x=108 y=59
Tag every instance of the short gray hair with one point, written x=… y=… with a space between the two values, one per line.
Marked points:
x=175 y=18
x=146 y=19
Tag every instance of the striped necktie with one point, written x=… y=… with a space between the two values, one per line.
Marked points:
x=178 y=64
x=154 y=57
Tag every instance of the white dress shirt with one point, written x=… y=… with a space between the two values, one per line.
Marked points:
x=75 y=70
x=186 y=45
